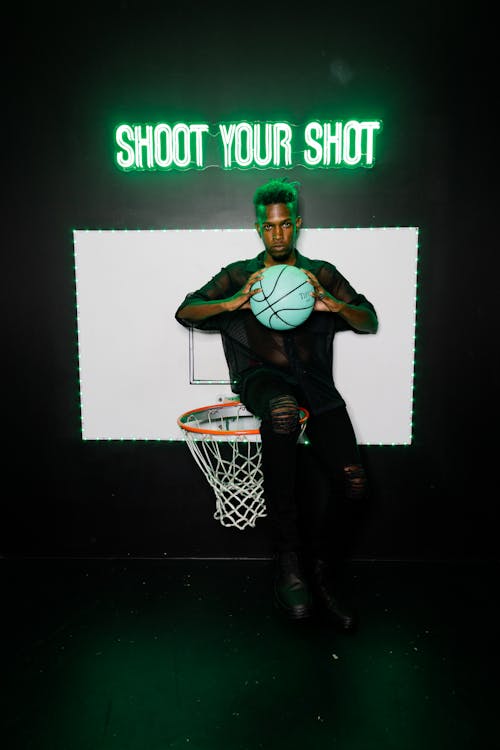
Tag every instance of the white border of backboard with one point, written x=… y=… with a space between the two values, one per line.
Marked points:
x=135 y=359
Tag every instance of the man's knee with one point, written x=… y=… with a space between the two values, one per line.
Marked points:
x=284 y=413
x=355 y=481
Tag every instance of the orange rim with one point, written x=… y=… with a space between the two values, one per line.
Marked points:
x=203 y=431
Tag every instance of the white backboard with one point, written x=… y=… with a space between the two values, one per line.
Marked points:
x=140 y=369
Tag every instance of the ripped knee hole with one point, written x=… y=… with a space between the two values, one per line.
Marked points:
x=355 y=480
x=284 y=415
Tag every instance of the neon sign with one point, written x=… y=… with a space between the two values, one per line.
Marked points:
x=243 y=145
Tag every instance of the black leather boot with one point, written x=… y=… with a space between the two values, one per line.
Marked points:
x=326 y=603
x=291 y=592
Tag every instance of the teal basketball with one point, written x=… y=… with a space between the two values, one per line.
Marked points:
x=285 y=300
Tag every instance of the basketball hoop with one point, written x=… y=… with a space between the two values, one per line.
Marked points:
x=224 y=440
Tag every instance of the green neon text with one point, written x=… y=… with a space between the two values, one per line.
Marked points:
x=256 y=144
x=347 y=144
x=244 y=144
x=161 y=146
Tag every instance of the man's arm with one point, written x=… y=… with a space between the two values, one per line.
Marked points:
x=201 y=309
x=361 y=317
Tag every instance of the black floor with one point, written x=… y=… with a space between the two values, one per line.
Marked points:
x=150 y=654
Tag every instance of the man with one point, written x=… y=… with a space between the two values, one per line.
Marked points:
x=276 y=372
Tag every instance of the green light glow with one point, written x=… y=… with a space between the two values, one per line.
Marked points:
x=352 y=143
x=244 y=144
x=161 y=146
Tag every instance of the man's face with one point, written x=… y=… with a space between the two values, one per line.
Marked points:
x=278 y=228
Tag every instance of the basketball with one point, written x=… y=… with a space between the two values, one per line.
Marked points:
x=285 y=300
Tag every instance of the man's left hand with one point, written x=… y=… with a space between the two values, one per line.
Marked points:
x=323 y=300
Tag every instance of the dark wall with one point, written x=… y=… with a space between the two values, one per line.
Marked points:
x=425 y=70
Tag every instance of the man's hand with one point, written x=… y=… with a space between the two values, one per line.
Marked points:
x=197 y=311
x=241 y=300
x=358 y=316
x=323 y=300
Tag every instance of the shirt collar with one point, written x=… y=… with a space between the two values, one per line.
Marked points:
x=258 y=262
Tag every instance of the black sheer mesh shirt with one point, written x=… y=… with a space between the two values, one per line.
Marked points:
x=302 y=355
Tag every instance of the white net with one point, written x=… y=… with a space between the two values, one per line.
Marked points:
x=225 y=443
x=236 y=480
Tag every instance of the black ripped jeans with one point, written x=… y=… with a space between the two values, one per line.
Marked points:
x=303 y=484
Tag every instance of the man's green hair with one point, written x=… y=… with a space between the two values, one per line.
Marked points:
x=278 y=191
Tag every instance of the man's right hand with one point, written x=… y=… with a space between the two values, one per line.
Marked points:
x=241 y=300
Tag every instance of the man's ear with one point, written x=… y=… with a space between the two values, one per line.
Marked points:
x=257 y=227
x=298 y=222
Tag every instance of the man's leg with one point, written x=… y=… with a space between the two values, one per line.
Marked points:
x=332 y=507
x=336 y=455
x=273 y=401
